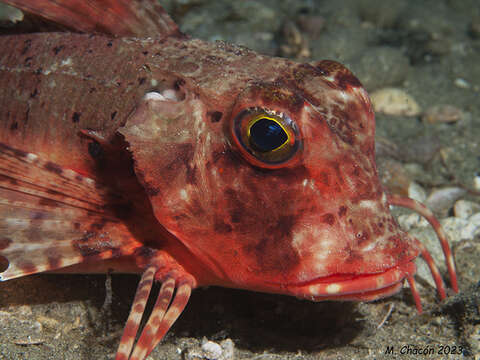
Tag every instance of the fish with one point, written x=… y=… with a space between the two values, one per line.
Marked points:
x=126 y=145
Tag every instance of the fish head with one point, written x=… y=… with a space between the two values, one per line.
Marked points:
x=273 y=185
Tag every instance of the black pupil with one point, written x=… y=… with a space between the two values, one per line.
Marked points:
x=267 y=135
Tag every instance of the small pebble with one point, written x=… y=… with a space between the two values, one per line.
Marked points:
x=442 y=114
x=441 y=200
x=410 y=221
x=462 y=83
x=212 y=350
x=9 y=13
x=47 y=322
x=393 y=101
x=37 y=327
x=25 y=310
x=476 y=182
x=416 y=192
x=464 y=209
x=228 y=347
x=458 y=229
x=4 y=314
x=475 y=219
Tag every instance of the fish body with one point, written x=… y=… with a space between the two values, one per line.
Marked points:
x=194 y=164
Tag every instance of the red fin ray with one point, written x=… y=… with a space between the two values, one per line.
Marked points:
x=52 y=217
x=114 y=17
x=27 y=173
x=442 y=238
x=171 y=301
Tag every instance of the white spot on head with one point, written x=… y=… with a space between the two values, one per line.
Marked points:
x=333 y=288
x=305 y=182
x=369 y=204
x=154 y=82
x=170 y=94
x=154 y=96
x=298 y=238
x=66 y=62
x=165 y=95
x=380 y=281
x=313 y=290
x=183 y=194
x=329 y=78
x=369 y=247
x=345 y=96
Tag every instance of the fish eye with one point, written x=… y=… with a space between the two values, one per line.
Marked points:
x=266 y=138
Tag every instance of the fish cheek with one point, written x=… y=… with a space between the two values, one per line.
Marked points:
x=273 y=252
x=209 y=197
x=263 y=212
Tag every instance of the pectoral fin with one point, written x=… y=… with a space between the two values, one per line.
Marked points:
x=52 y=217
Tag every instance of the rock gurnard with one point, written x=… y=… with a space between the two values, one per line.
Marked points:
x=141 y=150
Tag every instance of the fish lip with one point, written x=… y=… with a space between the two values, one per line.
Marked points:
x=363 y=287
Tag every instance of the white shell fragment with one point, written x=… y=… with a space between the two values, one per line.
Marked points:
x=476 y=182
x=165 y=95
x=416 y=192
x=153 y=95
x=443 y=199
x=464 y=209
x=410 y=221
x=393 y=101
x=442 y=114
x=210 y=350
x=462 y=83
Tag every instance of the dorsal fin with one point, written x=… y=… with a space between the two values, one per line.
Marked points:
x=139 y=18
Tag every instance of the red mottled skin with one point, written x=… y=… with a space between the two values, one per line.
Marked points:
x=96 y=175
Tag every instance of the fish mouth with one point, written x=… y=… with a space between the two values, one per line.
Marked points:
x=358 y=287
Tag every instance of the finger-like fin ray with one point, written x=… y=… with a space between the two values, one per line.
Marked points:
x=171 y=301
x=427 y=214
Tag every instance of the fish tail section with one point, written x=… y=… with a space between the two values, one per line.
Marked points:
x=52 y=217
